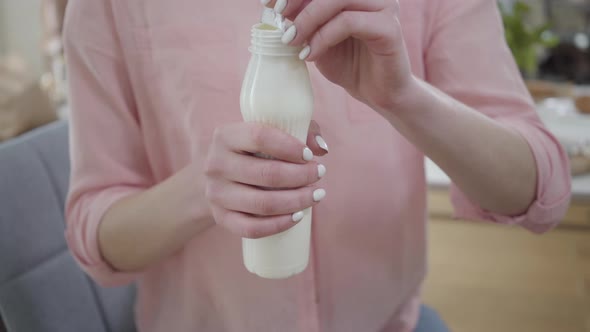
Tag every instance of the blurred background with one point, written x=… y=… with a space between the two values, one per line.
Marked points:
x=483 y=278
x=32 y=71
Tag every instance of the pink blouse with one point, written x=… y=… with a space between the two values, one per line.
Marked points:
x=151 y=79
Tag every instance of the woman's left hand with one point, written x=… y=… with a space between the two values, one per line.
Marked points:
x=357 y=44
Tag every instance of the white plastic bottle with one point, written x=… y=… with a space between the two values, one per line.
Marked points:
x=277 y=91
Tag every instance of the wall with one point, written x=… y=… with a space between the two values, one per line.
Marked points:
x=20 y=30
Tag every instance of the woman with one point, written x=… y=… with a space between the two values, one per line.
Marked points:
x=163 y=185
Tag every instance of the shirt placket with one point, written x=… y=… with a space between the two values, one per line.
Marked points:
x=308 y=297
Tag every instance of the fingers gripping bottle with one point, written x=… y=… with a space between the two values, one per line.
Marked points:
x=277 y=92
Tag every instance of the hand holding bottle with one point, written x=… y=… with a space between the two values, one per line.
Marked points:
x=357 y=44
x=235 y=178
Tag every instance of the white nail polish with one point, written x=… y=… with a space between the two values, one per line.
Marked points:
x=322 y=144
x=307 y=154
x=289 y=35
x=304 y=52
x=321 y=171
x=298 y=216
x=264 y=2
x=280 y=6
x=318 y=195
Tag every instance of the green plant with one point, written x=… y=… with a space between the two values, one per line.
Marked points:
x=523 y=39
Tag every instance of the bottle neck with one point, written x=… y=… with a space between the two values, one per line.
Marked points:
x=266 y=40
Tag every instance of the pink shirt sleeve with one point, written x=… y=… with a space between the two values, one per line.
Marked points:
x=108 y=159
x=467 y=58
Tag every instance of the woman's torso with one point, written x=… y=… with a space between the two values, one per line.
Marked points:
x=187 y=59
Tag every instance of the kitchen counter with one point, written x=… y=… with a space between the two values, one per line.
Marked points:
x=439 y=204
x=436 y=178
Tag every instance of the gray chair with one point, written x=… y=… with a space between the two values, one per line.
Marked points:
x=41 y=287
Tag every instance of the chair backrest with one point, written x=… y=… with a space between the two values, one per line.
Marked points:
x=41 y=287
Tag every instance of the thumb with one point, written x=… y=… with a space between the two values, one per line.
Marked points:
x=315 y=141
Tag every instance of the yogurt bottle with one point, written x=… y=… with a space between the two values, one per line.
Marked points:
x=277 y=92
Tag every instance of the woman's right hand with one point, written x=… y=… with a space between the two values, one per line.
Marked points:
x=255 y=197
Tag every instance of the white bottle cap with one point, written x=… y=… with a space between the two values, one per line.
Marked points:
x=270 y=17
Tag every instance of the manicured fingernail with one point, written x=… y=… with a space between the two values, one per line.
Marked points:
x=318 y=195
x=321 y=171
x=321 y=143
x=264 y=2
x=280 y=6
x=298 y=216
x=304 y=52
x=289 y=35
x=307 y=154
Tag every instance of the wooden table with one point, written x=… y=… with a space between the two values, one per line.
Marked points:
x=491 y=278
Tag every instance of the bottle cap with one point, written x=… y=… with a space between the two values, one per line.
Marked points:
x=270 y=17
